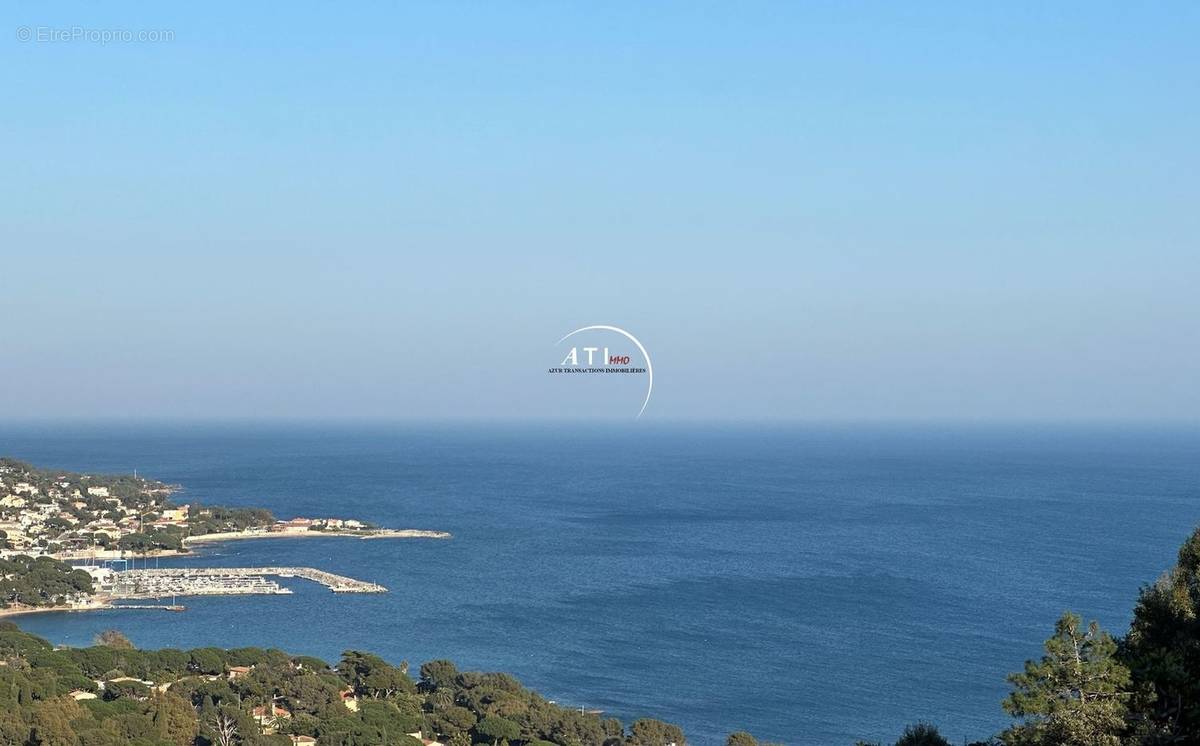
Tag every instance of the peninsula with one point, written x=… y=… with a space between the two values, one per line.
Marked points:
x=71 y=516
x=51 y=518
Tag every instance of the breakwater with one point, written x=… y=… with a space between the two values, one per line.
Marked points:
x=208 y=581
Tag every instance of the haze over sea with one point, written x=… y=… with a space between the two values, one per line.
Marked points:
x=812 y=584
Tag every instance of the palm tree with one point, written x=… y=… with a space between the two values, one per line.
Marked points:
x=441 y=697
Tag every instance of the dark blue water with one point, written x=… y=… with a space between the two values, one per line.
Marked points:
x=812 y=585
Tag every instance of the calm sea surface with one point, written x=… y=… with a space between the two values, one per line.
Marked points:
x=812 y=585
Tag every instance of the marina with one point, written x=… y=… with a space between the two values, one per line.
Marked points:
x=219 y=581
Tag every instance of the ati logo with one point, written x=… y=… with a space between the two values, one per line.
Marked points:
x=572 y=357
x=605 y=364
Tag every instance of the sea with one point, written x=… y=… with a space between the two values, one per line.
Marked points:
x=813 y=584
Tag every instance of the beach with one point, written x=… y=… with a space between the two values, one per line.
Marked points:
x=403 y=533
x=25 y=610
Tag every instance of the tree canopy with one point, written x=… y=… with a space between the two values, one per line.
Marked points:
x=262 y=697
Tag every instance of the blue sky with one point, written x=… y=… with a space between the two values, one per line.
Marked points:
x=833 y=211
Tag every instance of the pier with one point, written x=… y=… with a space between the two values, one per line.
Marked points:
x=222 y=581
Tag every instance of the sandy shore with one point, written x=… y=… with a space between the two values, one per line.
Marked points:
x=20 y=610
x=404 y=533
x=106 y=603
x=115 y=554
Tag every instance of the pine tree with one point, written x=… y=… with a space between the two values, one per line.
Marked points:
x=174 y=719
x=1077 y=695
x=1162 y=651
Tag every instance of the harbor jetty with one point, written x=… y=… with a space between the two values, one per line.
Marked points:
x=221 y=581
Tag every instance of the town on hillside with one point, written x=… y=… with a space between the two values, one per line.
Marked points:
x=67 y=515
x=67 y=541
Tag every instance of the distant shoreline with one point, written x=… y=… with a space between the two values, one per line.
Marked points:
x=107 y=602
x=24 y=610
x=403 y=533
x=214 y=538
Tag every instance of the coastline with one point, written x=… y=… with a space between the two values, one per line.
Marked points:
x=107 y=602
x=26 y=610
x=402 y=533
x=117 y=554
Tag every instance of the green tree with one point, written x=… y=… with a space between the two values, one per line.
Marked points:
x=438 y=674
x=51 y=724
x=1076 y=695
x=1162 y=651
x=13 y=730
x=128 y=689
x=439 y=698
x=497 y=729
x=209 y=661
x=921 y=734
x=389 y=719
x=650 y=732
x=453 y=719
x=372 y=676
x=114 y=639
x=741 y=738
x=174 y=719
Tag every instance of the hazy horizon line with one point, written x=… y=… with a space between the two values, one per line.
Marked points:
x=352 y=420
